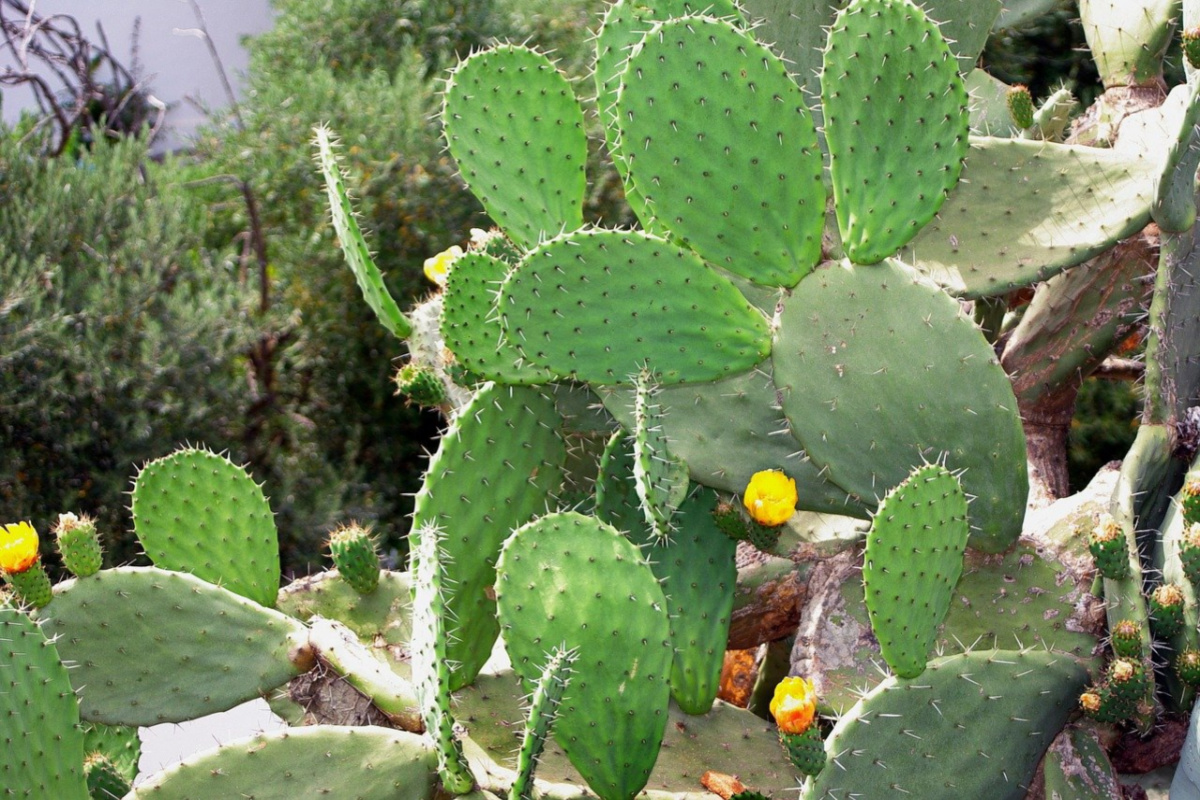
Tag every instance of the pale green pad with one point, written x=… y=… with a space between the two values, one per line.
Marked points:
x=726 y=739
x=514 y=127
x=41 y=745
x=625 y=23
x=730 y=429
x=660 y=477
x=368 y=276
x=1128 y=39
x=152 y=646
x=495 y=467
x=601 y=305
x=1048 y=207
x=881 y=373
x=322 y=762
x=571 y=580
x=913 y=560
x=971 y=725
x=195 y=511
x=895 y=124
x=471 y=327
x=720 y=143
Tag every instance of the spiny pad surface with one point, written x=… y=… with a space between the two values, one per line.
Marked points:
x=195 y=511
x=913 y=560
x=896 y=124
x=600 y=305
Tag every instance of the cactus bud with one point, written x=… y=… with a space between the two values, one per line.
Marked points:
x=357 y=560
x=1127 y=639
x=1166 y=610
x=79 y=544
x=1191 y=46
x=1187 y=667
x=22 y=566
x=1109 y=548
x=1020 y=106
x=420 y=385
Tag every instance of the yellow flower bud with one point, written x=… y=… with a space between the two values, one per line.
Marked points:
x=438 y=267
x=771 y=497
x=18 y=547
x=794 y=705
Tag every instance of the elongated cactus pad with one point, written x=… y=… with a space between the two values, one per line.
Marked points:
x=195 y=511
x=571 y=580
x=983 y=718
x=1048 y=207
x=660 y=476
x=40 y=739
x=726 y=159
x=152 y=646
x=514 y=127
x=866 y=358
x=495 y=466
x=913 y=560
x=891 y=167
x=321 y=762
x=543 y=711
x=600 y=305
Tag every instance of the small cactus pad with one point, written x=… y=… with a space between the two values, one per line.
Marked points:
x=321 y=762
x=41 y=744
x=471 y=326
x=152 y=646
x=1020 y=106
x=421 y=385
x=660 y=477
x=370 y=279
x=119 y=745
x=726 y=159
x=1127 y=639
x=600 y=305
x=501 y=457
x=571 y=580
x=1016 y=701
x=104 y=780
x=514 y=127
x=543 y=711
x=195 y=511
x=913 y=560
x=843 y=332
x=1189 y=500
x=1048 y=207
x=806 y=750
x=1191 y=46
x=79 y=544
x=1187 y=667
x=891 y=167
x=357 y=560
x=1165 y=605
x=1109 y=548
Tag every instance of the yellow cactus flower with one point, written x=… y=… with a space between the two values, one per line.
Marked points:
x=794 y=705
x=1090 y=701
x=18 y=547
x=438 y=267
x=771 y=497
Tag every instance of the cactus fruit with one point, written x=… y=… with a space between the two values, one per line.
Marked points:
x=79 y=544
x=1127 y=640
x=1119 y=697
x=420 y=385
x=1189 y=552
x=1189 y=500
x=356 y=557
x=1020 y=106
x=1191 y=46
x=1109 y=548
x=1166 y=610
x=1187 y=667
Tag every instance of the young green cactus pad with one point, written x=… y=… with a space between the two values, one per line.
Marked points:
x=599 y=305
x=40 y=737
x=1127 y=639
x=321 y=761
x=176 y=642
x=356 y=557
x=195 y=511
x=891 y=168
x=1166 y=610
x=1187 y=667
x=573 y=580
x=1020 y=106
x=842 y=333
x=1007 y=704
x=1048 y=206
x=79 y=544
x=104 y=780
x=543 y=711
x=727 y=160
x=119 y=745
x=514 y=127
x=1189 y=500
x=913 y=560
x=660 y=477
x=478 y=499
x=421 y=385
x=1109 y=547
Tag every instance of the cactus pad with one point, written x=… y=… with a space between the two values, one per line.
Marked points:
x=322 y=762
x=843 y=332
x=913 y=560
x=357 y=559
x=79 y=544
x=1015 y=700
x=571 y=580
x=514 y=127
x=600 y=305
x=501 y=457
x=891 y=167
x=727 y=159
x=40 y=738
x=195 y=511
x=152 y=646
x=660 y=477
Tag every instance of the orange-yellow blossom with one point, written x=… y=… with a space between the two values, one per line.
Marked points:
x=771 y=497
x=794 y=705
x=18 y=547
